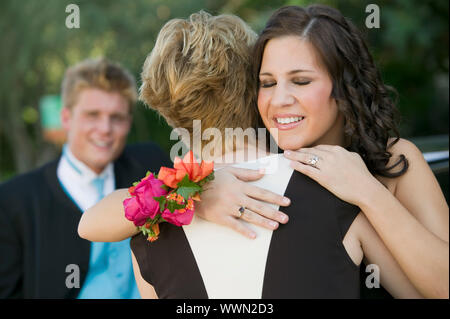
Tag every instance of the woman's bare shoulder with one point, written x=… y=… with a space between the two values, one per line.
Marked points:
x=412 y=154
x=405 y=147
x=418 y=188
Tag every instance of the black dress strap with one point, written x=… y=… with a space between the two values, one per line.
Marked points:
x=306 y=256
x=175 y=274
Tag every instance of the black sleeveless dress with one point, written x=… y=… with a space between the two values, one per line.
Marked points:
x=303 y=259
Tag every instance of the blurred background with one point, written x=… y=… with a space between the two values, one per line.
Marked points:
x=410 y=47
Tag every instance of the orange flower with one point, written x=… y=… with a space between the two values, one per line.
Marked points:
x=168 y=176
x=131 y=190
x=155 y=229
x=172 y=196
x=190 y=204
x=188 y=165
x=180 y=199
x=152 y=239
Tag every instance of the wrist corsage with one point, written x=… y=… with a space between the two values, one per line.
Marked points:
x=168 y=196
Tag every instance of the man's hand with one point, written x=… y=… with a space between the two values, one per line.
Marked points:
x=222 y=198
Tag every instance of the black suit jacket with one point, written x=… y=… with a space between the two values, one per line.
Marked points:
x=38 y=226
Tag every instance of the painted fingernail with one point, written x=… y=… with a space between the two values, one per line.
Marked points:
x=286 y=200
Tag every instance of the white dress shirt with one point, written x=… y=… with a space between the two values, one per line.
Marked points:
x=110 y=273
x=76 y=178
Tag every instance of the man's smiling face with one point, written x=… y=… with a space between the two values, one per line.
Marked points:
x=97 y=126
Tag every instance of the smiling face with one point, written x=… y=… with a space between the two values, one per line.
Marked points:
x=97 y=126
x=295 y=95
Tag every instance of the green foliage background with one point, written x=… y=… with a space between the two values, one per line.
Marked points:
x=410 y=48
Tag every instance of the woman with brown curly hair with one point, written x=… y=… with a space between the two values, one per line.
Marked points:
x=319 y=86
x=353 y=194
x=314 y=66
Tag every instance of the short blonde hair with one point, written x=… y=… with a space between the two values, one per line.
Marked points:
x=97 y=73
x=200 y=68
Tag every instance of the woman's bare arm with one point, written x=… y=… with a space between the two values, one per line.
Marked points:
x=412 y=218
x=414 y=223
x=106 y=220
x=145 y=289
x=391 y=276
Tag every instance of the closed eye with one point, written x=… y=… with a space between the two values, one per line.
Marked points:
x=302 y=82
x=267 y=84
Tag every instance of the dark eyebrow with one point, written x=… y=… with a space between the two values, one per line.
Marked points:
x=299 y=70
x=290 y=72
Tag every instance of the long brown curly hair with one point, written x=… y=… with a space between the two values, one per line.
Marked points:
x=365 y=101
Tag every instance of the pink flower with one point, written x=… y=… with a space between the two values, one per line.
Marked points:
x=133 y=211
x=180 y=217
x=142 y=205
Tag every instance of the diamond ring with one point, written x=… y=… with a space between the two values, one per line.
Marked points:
x=313 y=161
